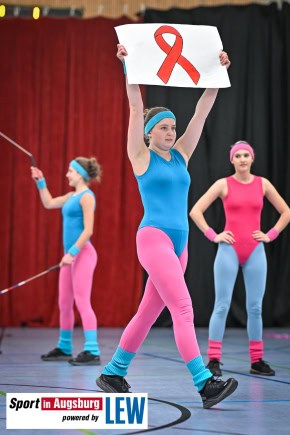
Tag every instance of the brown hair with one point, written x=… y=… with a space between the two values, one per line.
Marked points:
x=92 y=167
x=148 y=114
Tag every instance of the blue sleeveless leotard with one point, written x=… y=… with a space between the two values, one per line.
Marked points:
x=164 y=192
x=73 y=222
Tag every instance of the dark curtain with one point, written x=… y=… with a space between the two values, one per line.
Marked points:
x=62 y=95
x=256 y=108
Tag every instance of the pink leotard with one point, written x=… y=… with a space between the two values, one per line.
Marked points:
x=243 y=205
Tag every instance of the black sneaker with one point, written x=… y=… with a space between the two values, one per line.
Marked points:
x=113 y=384
x=262 y=368
x=56 y=355
x=214 y=366
x=216 y=390
x=85 y=358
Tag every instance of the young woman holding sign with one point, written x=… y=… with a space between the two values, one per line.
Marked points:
x=240 y=244
x=161 y=172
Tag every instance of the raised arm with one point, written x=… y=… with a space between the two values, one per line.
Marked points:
x=217 y=190
x=47 y=200
x=187 y=143
x=136 y=147
x=88 y=206
x=282 y=208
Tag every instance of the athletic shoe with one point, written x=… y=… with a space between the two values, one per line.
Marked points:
x=56 y=355
x=85 y=358
x=113 y=384
x=216 y=390
x=262 y=368
x=214 y=366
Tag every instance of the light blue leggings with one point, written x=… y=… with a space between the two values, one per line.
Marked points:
x=226 y=267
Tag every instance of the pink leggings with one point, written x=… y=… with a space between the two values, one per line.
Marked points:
x=75 y=284
x=165 y=287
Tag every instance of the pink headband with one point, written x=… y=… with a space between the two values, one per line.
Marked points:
x=241 y=146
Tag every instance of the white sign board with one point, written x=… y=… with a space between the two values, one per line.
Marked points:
x=173 y=55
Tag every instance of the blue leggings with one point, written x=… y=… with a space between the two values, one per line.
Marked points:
x=226 y=267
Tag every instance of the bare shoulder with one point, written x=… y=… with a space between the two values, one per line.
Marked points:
x=221 y=187
x=217 y=189
x=87 y=199
x=266 y=184
x=221 y=183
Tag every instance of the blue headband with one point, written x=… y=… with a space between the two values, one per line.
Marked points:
x=74 y=164
x=156 y=118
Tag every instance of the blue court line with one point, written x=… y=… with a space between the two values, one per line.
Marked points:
x=268 y=349
x=264 y=378
x=277 y=366
x=207 y=431
x=230 y=358
x=239 y=401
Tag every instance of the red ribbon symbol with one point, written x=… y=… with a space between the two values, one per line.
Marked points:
x=173 y=55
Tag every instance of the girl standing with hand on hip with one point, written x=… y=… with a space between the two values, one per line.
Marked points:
x=163 y=180
x=79 y=260
x=240 y=244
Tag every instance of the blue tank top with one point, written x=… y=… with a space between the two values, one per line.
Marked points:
x=164 y=192
x=73 y=222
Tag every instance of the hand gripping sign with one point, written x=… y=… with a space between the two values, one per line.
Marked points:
x=173 y=55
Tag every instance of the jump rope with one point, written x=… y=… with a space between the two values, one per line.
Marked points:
x=19 y=284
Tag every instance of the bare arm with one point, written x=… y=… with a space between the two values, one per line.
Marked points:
x=136 y=147
x=47 y=200
x=280 y=205
x=217 y=190
x=187 y=143
x=200 y=207
x=88 y=206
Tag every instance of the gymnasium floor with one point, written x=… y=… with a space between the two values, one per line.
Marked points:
x=260 y=405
